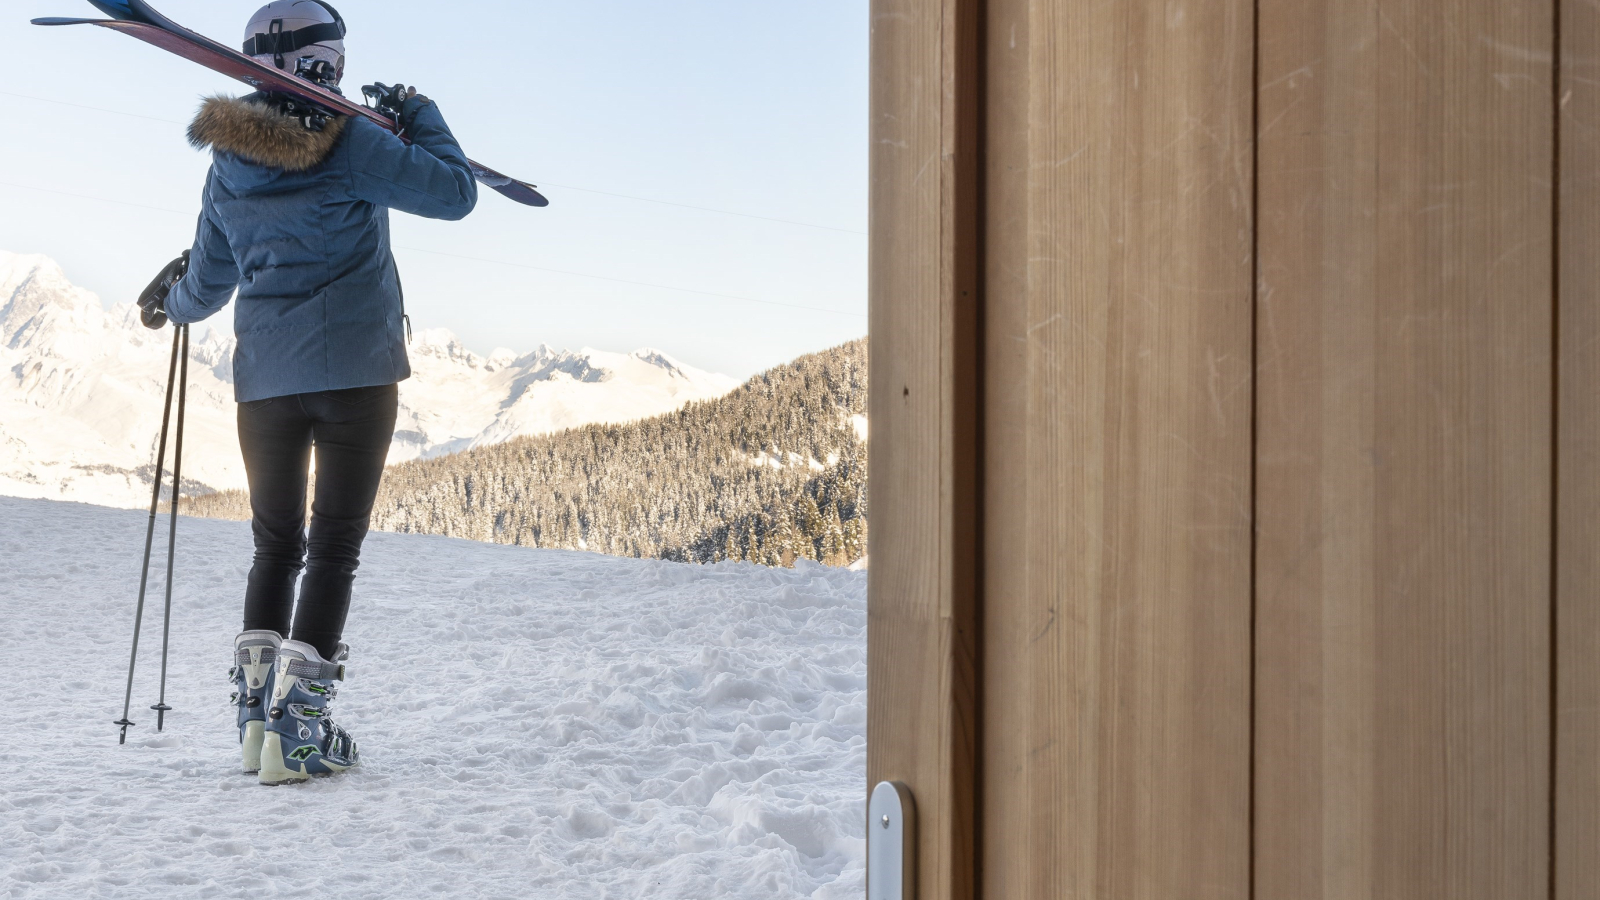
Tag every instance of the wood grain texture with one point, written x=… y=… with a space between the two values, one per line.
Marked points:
x=1577 y=798
x=924 y=293
x=1007 y=698
x=1117 y=453
x=1404 y=465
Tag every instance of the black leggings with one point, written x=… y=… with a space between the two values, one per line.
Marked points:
x=350 y=430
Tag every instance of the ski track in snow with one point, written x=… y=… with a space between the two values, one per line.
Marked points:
x=534 y=724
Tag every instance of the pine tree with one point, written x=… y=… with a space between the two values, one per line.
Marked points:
x=811 y=526
x=833 y=543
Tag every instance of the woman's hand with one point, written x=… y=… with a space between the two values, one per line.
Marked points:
x=153 y=301
x=413 y=104
x=399 y=102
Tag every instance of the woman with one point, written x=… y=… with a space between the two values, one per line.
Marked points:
x=297 y=220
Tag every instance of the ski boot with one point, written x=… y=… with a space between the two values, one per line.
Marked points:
x=255 y=655
x=301 y=740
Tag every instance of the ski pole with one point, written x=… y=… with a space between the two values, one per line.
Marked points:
x=161 y=706
x=149 y=540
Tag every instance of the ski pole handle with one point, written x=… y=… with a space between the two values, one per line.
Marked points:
x=153 y=300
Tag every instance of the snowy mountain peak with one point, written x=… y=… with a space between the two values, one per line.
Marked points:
x=34 y=296
x=499 y=358
x=16 y=268
x=653 y=357
x=442 y=343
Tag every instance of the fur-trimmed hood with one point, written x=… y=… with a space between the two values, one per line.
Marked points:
x=255 y=130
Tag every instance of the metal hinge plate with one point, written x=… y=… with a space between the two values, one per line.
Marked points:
x=891 y=843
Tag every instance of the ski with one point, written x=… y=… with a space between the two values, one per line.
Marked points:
x=140 y=20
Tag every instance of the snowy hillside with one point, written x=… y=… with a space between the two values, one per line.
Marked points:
x=536 y=724
x=81 y=393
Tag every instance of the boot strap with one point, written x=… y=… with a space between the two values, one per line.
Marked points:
x=305 y=668
x=269 y=655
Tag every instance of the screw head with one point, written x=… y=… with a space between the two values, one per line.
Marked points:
x=886 y=821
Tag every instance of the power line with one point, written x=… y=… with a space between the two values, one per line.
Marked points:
x=502 y=262
x=114 y=112
x=29 y=187
x=567 y=187
x=726 y=212
x=482 y=259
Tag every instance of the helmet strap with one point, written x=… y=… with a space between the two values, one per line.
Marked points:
x=278 y=42
x=276 y=31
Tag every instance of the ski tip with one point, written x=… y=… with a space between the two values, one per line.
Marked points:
x=60 y=20
x=521 y=192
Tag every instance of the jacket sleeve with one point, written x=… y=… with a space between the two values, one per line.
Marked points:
x=213 y=274
x=429 y=177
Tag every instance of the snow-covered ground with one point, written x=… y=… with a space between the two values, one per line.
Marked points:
x=534 y=723
x=81 y=391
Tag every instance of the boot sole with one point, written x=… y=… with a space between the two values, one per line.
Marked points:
x=274 y=770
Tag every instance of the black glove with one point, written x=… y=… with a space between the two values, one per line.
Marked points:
x=153 y=302
x=399 y=103
x=408 y=112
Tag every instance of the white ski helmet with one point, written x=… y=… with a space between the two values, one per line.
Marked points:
x=284 y=31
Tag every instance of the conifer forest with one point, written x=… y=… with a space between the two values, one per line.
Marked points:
x=773 y=472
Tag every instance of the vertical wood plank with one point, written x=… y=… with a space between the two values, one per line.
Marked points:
x=1577 y=776
x=925 y=261
x=1404 y=424
x=1009 y=832
x=1317 y=393
x=1117 y=527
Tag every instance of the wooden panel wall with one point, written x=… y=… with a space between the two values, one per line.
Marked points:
x=926 y=254
x=1577 y=798
x=1227 y=492
x=1117 y=523
x=1404 y=430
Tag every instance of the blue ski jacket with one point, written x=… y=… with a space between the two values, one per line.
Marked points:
x=298 y=222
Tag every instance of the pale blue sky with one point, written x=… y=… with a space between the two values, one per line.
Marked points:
x=753 y=107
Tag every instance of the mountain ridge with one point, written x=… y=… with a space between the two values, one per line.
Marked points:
x=81 y=391
x=773 y=472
